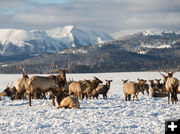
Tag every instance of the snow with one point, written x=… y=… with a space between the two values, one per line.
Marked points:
x=111 y=115
x=53 y=40
x=15 y=36
x=164 y=46
x=69 y=35
x=145 y=32
x=142 y=52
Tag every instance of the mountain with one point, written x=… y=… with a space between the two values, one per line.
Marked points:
x=123 y=34
x=38 y=42
x=140 y=51
x=145 y=41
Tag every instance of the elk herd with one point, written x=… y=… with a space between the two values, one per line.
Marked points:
x=68 y=93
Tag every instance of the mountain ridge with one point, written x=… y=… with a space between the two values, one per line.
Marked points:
x=17 y=41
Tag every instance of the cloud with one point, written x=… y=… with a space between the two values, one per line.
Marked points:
x=102 y=15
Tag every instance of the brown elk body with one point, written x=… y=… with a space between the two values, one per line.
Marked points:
x=64 y=100
x=69 y=102
x=144 y=87
x=76 y=88
x=91 y=86
x=132 y=88
x=10 y=92
x=42 y=84
x=21 y=86
x=102 y=89
x=172 y=89
x=171 y=86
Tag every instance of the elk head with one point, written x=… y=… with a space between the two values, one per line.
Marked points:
x=22 y=71
x=62 y=73
x=124 y=81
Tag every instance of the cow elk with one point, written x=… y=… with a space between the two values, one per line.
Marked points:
x=10 y=92
x=64 y=100
x=102 y=89
x=132 y=88
x=91 y=86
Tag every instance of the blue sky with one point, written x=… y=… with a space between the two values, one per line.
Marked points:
x=102 y=15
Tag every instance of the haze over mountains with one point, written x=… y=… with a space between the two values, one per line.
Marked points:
x=89 y=51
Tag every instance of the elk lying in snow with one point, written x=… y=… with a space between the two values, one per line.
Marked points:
x=156 y=90
x=160 y=86
x=10 y=92
x=132 y=88
x=64 y=100
x=69 y=102
x=102 y=89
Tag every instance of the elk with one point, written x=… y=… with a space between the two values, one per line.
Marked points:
x=76 y=88
x=160 y=86
x=132 y=88
x=152 y=87
x=171 y=86
x=102 y=89
x=21 y=84
x=156 y=91
x=64 y=100
x=144 y=87
x=9 y=91
x=90 y=87
x=45 y=84
x=62 y=73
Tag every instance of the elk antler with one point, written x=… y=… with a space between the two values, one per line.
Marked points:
x=161 y=73
x=58 y=69
x=21 y=70
x=69 y=65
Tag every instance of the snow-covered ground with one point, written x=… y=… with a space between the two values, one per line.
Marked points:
x=112 y=115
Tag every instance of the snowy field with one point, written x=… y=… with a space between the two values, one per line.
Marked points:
x=112 y=115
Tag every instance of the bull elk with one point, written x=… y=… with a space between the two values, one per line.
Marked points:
x=62 y=73
x=21 y=84
x=171 y=86
x=45 y=84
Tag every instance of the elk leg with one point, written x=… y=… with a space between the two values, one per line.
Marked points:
x=53 y=103
x=136 y=97
x=29 y=99
x=129 y=97
x=168 y=97
x=172 y=97
x=125 y=97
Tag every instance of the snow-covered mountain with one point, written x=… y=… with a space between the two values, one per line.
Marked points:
x=17 y=42
x=144 y=32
